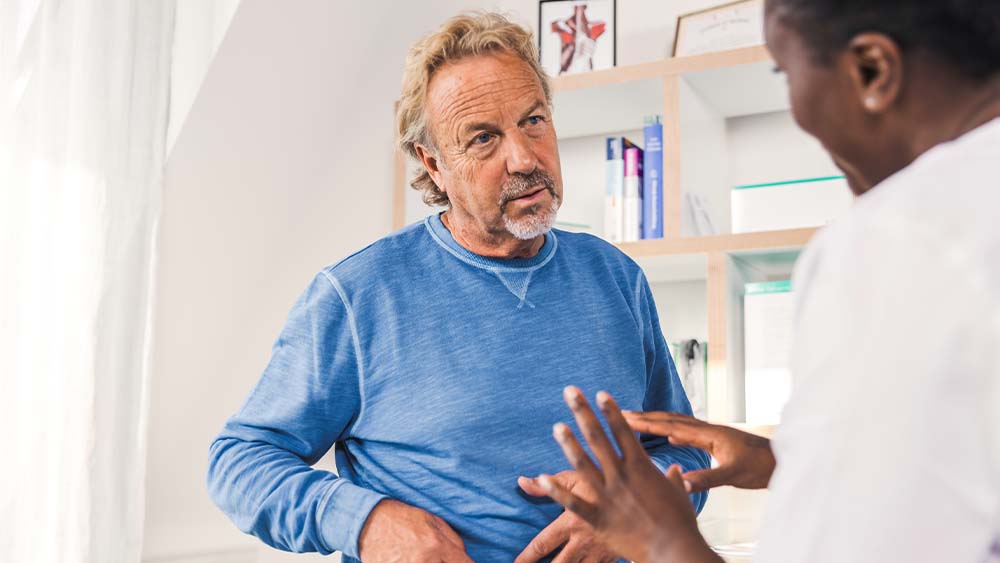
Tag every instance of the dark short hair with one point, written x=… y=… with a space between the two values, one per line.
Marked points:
x=963 y=33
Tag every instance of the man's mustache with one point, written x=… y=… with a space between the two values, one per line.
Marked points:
x=520 y=184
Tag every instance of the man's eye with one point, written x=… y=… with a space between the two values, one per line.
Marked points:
x=482 y=138
x=535 y=120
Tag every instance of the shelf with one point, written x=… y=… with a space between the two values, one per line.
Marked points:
x=616 y=100
x=662 y=68
x=609 y=77
x=744 y=242
x=674 y=267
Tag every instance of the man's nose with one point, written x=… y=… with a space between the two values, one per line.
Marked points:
x=521 y=157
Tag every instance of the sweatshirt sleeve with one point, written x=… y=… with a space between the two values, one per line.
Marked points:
x=307 y=399
x=664 y=393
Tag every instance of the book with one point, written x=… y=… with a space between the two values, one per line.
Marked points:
x=632 y=195
x=614 y=230
x=652 y=179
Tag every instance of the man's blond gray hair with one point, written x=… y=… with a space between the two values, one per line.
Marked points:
x=462 y=36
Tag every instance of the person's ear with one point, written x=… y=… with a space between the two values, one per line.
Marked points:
x=432 y=164
x=876 y=66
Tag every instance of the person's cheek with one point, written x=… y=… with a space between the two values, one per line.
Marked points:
x=803 y=108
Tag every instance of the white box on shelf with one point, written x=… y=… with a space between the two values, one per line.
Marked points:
x=796 y=204
x=768 y=311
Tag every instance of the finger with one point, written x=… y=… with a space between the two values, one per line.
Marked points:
x=454 y=547
x=628 y=444
x=547 y=541
x=601 y=555
x=457 y=556
x=705 y=479
x=568 y=478
x=592 y=431
x=679 y=433
x=577 y=457
x=597 y=553
x=530 y=485
x=574 y=552
x=448 y=533
x=658 y=416
x=674 y=475
x=571 y=502
x=655 y=418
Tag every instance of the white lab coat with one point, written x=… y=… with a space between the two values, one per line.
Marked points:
x=889 y=446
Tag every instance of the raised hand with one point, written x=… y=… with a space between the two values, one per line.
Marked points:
x=636 y=510
x=745 y=460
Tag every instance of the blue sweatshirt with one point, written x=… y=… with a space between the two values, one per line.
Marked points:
x=437 y=374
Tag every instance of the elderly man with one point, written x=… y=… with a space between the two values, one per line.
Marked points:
x=431 y=360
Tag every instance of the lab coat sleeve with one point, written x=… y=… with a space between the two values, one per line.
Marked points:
x=664 y=393
x=260 y=470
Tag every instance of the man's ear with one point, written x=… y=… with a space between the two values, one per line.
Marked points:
x=431 y=163
x=875 y=63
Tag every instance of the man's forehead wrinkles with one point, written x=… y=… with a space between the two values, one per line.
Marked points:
x=482 y=96
x=462 y=90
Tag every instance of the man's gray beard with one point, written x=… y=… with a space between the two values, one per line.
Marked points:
x=535 y=223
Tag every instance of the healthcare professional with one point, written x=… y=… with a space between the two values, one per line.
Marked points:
x=889 y=446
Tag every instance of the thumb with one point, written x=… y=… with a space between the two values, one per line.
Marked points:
x=530 y=485
x=673 y=475
x=568 y=479
x=705 y=479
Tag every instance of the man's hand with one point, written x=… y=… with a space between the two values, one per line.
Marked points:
x=635 y=509
x=745 y=460
x=399 y=533
x=567 y=530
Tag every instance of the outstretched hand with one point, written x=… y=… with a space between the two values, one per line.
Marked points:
x=745 y=460
x=635 y=510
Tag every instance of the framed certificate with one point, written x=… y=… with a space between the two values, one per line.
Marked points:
x=732 y=26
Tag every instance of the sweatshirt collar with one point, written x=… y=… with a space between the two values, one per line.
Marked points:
x=444 y=238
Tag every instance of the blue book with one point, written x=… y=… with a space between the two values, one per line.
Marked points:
x=652 y=179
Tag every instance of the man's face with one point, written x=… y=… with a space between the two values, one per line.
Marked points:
x=498 y=159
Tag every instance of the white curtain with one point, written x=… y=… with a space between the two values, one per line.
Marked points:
x=83 y=108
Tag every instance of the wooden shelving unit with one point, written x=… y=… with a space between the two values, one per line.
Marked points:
x=767 y=240
x=663 y=68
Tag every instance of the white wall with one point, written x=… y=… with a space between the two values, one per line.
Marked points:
x=199 y=28
x=683 y=309
x=283 y=165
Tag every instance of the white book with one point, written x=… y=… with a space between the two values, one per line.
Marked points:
x=614 y=178
x=631 y=210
